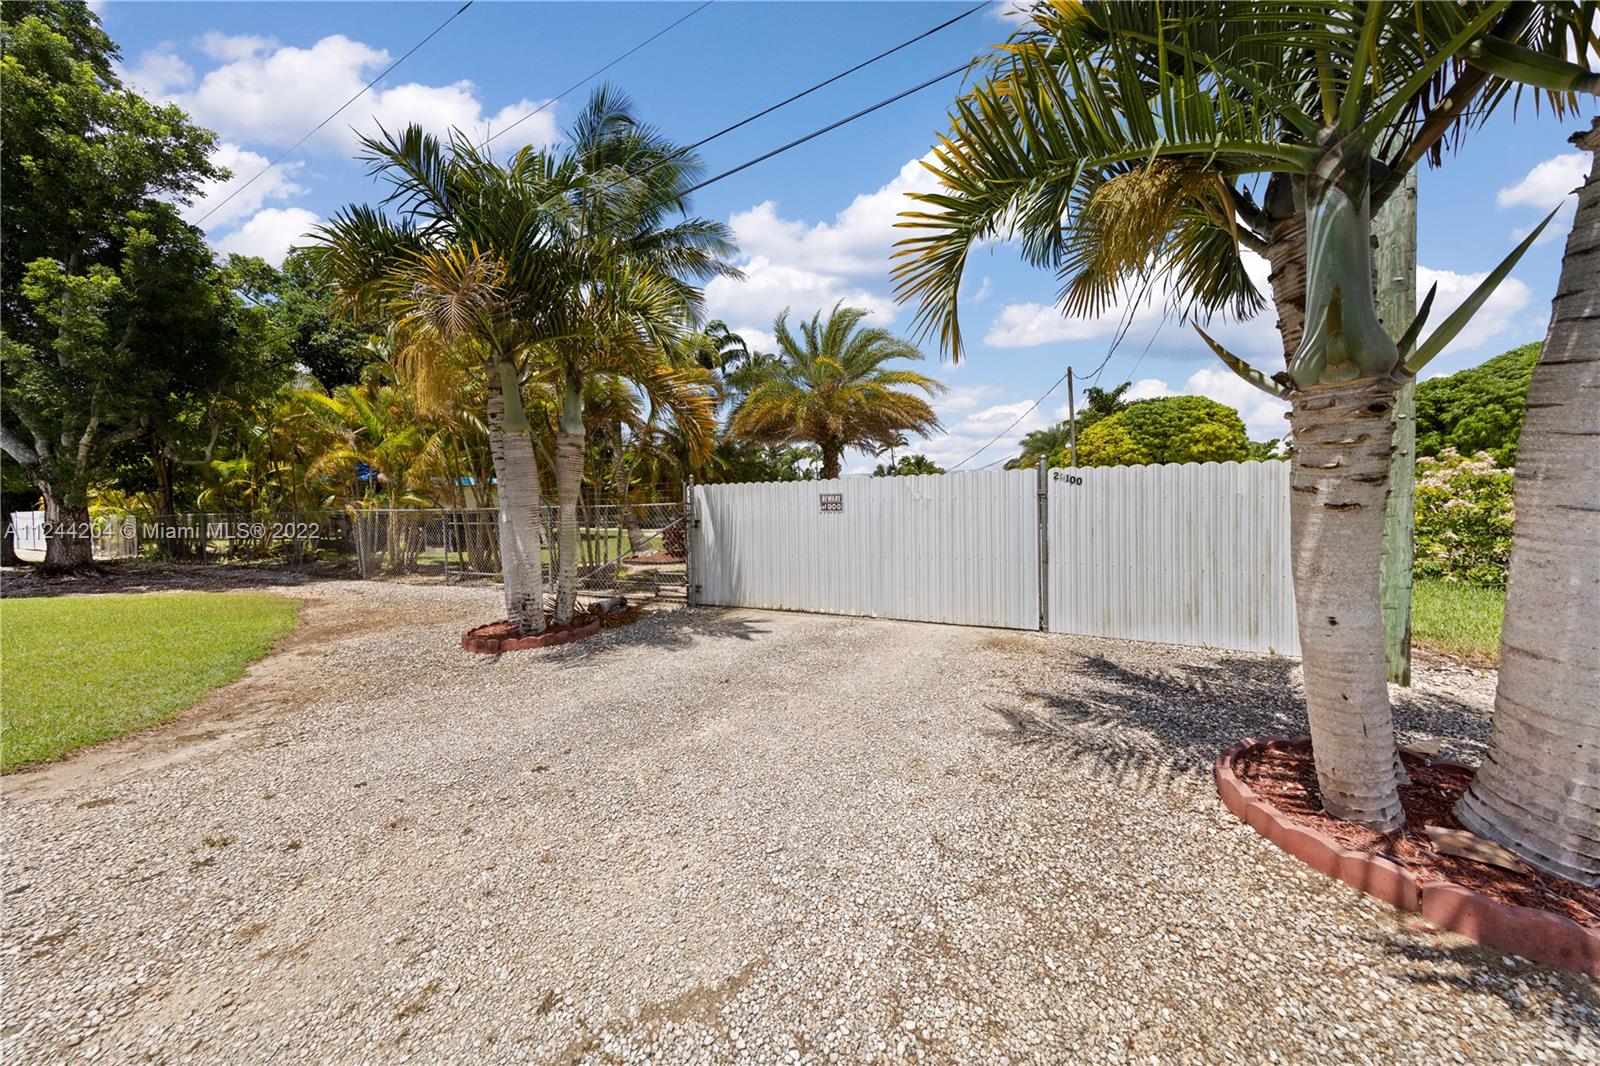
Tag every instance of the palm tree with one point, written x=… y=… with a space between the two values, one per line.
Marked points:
x=1041 y=444
x=375 y=428
x=1538 y=792
x=624 y=184
x=471 y=262
x=829 y=387
x=907 y=464
x=1117 y=140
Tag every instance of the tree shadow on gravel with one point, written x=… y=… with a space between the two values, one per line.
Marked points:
x=672 y=630
x=1159 y=723
x=1472 y=970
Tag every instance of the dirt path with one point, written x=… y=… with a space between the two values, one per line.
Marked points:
x=724 y=836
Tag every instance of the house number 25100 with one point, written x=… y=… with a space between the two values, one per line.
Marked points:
x=1070 y=479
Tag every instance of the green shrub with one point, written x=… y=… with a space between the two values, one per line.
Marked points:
x=1168 y=429
x=1464 y=513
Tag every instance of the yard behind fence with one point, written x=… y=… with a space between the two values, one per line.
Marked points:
x=638 y=548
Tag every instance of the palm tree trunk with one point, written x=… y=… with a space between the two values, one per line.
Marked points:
x=831 y=453
x=1286 y=253
x=622 y=478
x=1342 y=415
x=516 y=473
x=1538 y=792
x=1338 y=490
x=569 y=481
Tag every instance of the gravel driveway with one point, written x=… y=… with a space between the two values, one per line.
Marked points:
x=721 y=835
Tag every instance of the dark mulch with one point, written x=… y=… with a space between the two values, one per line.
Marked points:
x=1287 y=779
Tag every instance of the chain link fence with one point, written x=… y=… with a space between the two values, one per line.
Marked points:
x=637 y=549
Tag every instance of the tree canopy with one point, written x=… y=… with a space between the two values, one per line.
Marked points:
x=114 y=310
x=1167 y=429
x=1478 y=409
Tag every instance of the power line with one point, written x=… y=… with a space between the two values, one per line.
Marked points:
x=829 y=128
x=764 y=112
x=364 y=89
x=601 y=70
x=1122 y=331
x=1009 y=428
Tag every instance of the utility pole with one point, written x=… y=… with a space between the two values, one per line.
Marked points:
x=1072 y=421
x=1395 y=283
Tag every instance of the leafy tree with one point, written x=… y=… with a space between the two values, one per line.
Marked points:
x=111 y=304
x=1167 y=429
x=1478 y=409
x=1119 y=142
x=829 y=387
x=908 y=465
x=331 y=347
x=1057 y=439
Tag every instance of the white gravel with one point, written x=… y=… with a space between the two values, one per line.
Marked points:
x=722 y=836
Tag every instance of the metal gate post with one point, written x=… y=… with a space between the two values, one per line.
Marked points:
x=688 y=542
x=1043 y=471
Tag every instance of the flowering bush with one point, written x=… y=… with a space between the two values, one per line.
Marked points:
x=1464 y=514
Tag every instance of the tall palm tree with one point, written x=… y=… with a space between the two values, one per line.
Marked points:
x=1117 y=140
x=829 y=387
x=1538 y=791
x=624 y=186
x=470 y=260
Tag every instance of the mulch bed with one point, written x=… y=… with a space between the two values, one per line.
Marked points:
x=1286 y=778
x=502 y=636
x=653 y=559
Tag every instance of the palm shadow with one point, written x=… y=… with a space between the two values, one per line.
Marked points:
x=672 y=630
x=1470 y=970
x=1173 y=720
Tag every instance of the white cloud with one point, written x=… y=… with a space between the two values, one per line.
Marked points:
x=809 y=266
x=769 y=287
x=230 y=48
x=1026 y=325
x=1497 y=315
x=757 y=339
x=266 y=93
x=275 y=184
x=1012 y=12
x=984 y=288
x=972 y=421
x=269 y=233
x=1547 y=184
x=158 y=73
x=857 y=241
x=1544 y=187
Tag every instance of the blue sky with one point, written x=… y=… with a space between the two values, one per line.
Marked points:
x=814 y=224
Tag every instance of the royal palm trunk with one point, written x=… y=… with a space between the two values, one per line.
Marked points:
x=1538 y=791
x=1343 y=376
x=517 y=476
x=569 y=482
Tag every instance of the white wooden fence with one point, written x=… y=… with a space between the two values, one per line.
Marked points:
x=1195 y=554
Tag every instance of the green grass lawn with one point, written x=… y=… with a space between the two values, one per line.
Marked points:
x=1459 y=619
x=78 y=669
